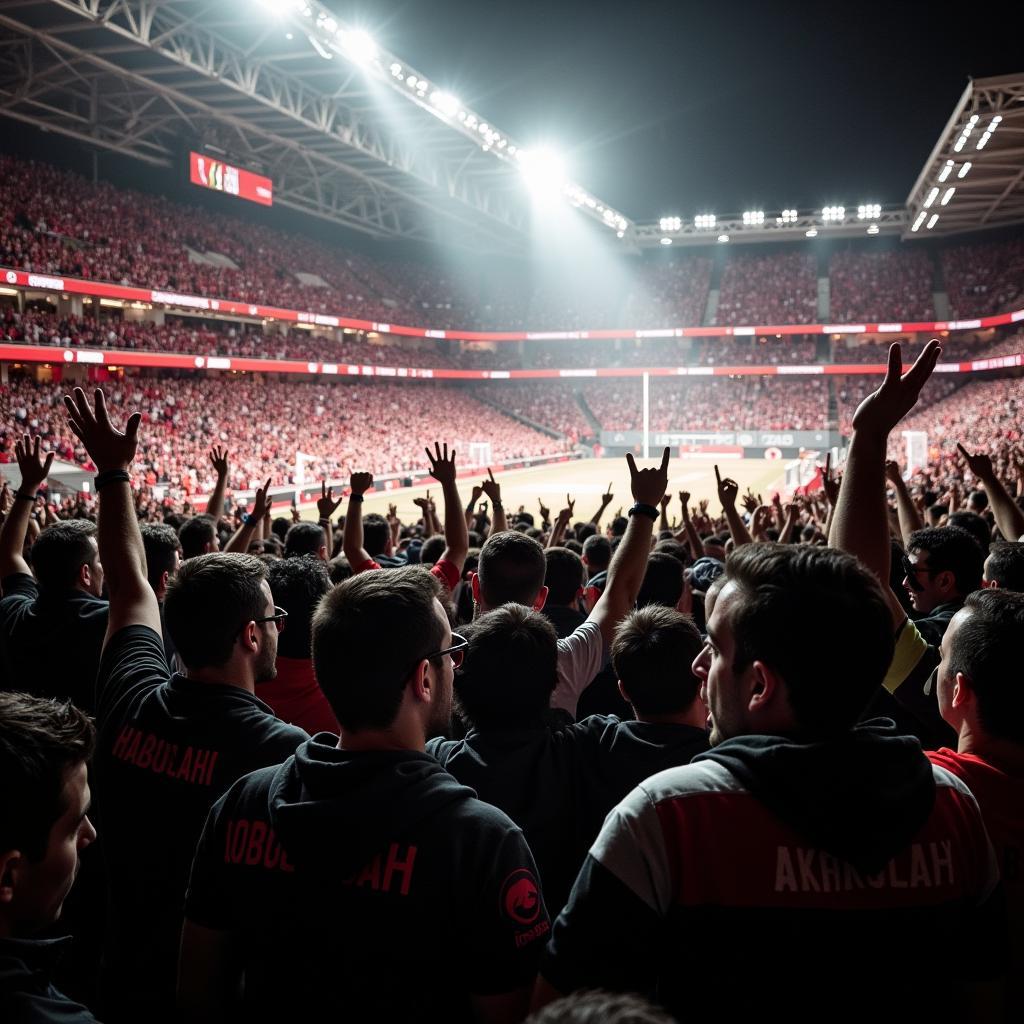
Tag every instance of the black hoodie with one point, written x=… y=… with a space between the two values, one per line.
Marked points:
x=368 y=881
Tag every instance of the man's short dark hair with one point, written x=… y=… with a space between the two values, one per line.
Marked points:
x=663 y=581
x=60 y=551
x=162 y=546
x=376 y=533
x=280 y=526
x=195 y=534
x=598 y=552
x=564 y=575
x=975 y=525
x=652 y=654
x=596 y=1006
x=432 y=549
x=818 y=618
x=978 y=499
x=297 y=585
x=953 y=549
x=512 y=569
x=619 y=524
x=1006 y=565
x=585 y=530
x=986 y=648
x=209 y=600
x=303 y=539
x=338 y=569
x=509 y=671
x=40 y=740
x=369 y=634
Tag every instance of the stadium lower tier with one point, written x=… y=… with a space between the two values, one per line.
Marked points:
x=272 y=425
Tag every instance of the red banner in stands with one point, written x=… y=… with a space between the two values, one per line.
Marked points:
x=77 y=286
x=221 y=177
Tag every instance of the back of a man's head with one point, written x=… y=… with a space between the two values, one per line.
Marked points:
x=297 y=585
x=375 y=534
x=951 y=549
x=975 y=525
x=431 y=550
x=817 y=618
x=197 y=535
x=303 y=539
x=1004 y=567
x=60 y=551
x=41 y=741
x=652 y=654
x=564 y=575
x=663 y=581
x=209 y=600
x=509 y=671
x=597 y=551
x=985 y=647
x=512 y=569
x=162 y=552
x=369 y=633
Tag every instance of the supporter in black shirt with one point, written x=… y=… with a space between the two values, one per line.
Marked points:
x=558 y=780
x=359 y=874
x=44 y=825
x=163 y=557
x=61 y=602
x=198 y=536
x=563 y=577
x=168 y=746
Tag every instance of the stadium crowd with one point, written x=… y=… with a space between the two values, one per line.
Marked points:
x=985 y=277
x=778 y=288
x=463 y=767
x=893 y=285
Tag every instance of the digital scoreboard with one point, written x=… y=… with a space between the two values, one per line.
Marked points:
x=208 y=172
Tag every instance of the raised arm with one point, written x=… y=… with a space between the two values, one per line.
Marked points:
x=728 y=492
x=499 y=524
x=663 y=521
x=352 y=538
x=423 y=504
x=456 y=533
x=860 y=524
x=606 y=500
x=326 y=506
x=474 y=497
x=34 y=470
x=626 y=572
x=689 y=531
x=252 y=523
x=122 y=554
x=219 y=458
x=1008 y=515
x=910 y=518
x=558 y=530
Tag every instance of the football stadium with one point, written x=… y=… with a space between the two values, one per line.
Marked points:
x=673 y=381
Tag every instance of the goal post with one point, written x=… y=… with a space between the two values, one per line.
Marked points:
x=916 y=442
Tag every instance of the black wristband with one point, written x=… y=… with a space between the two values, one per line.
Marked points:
x=355 y=497
x=498 y=505
x=111 y=476
x=18 y=496
x=645 y=510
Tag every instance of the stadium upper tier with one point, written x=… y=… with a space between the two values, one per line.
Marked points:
x=54 y=223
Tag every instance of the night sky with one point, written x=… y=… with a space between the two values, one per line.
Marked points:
x=665 y=107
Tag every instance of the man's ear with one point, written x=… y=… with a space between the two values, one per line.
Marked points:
x=946 y=581
x=541 y=599
x=164 y=578
x=766 y=687
x=962 y=693
x=85 y=576
x=622 y=691
x=474 y=581
x=11 y=863
x=422 y=685
x=250 y=637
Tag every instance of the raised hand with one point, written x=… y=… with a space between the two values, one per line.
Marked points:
x=423 y=503
x=703 y=506
x=684 y=498
x=545 y=512
x=762 y=520
x=108 y=447
x=750 y=501
x=296 y=518
x=792 y=511
x=219 y=458
x=665 y=500
x=728 y=490
x=360 y=483
x=648 y=485
x=606 y=498
x=893 y=473
x=492 y=488
x=830 y=481
x=565 y=514
x=442 y=466
x=261 y=503
x=883 y=409
x=392 y=512
x=34 y=469
x=474 y=495
x=326 y=506
x=980 y=465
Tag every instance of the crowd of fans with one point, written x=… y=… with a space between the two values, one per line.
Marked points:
x=984 y=278
x=492 y=763
x=893 y=285
x=777 y=288
x=552 y=404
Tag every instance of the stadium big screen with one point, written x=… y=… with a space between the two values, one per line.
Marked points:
x=207 y=172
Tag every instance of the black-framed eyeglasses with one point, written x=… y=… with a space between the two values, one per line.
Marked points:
x=910 y=570
x=277 y=618
x=457 y=651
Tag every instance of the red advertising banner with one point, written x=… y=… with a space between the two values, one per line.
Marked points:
x=208 y=172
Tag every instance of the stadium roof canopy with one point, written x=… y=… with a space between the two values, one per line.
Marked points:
x=346 y=131
x=974 y=177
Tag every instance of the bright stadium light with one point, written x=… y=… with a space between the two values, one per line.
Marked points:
x=919 y=221
x=445 y=102
x=788 y=217
x=931 y=197
x=947 y=195
x=833 y=213
x=666 y=241
x=542 y=170
x=811 y=233
x=932 y=221
x=358 y=45
x=753 y=217
x=869 y=211
x=671 y=223
x=723 y=238
x=962 y=173
x=704 y=221
x=947 y=170
x=873 y=229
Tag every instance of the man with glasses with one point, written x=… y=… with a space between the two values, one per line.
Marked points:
x=168 y=745
x=360 y=874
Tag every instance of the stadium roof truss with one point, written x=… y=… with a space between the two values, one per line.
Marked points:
x=974 y=177
x=344 y=137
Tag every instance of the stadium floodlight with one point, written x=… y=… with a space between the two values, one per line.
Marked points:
x=704 y=221
x=932 y=221
x=811 y=233
x=671 y=223
x=753 y=217
x=947 y=170
x=869 y=211
x=962 y=173
x=543 y=171
x=919 y=221
x=831 y=214
x=723 y=238
x=357 y=44
x=788 y=217
x=445 y=102
x=666 y=241
x=931 y=197
x=873 y=229
x=947 y=195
